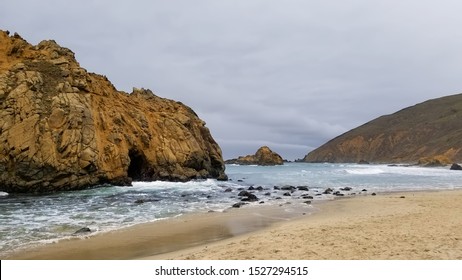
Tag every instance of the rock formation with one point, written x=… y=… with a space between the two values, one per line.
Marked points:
x=429 y=133
x=62 y=128
x=264 y=156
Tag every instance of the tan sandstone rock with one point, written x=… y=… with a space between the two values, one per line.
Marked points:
x=263 y=156
x=62 y=128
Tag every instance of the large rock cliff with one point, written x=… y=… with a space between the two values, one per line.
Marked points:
x=427 y=133
x=62 y=128
x=263 y=156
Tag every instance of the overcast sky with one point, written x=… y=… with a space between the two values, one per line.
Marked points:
x=288 y=74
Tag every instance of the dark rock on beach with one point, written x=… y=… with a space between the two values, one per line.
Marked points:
x=83 y=230
x=288 y=188
x=239 y=204
x=328 y=191
x=248 y=196
x=243 y=193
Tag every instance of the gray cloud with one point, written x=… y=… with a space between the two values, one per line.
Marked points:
x=288 y=74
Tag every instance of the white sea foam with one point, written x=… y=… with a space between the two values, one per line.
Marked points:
x=365 y=171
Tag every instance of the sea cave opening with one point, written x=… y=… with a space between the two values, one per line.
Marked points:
x=138 y=169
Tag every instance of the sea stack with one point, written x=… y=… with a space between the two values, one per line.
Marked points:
x=63 y=128
x=263 y=156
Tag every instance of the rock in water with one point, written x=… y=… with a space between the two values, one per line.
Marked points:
x=455 y=166
x=83 y=230
x=263 y=156
x=62 y=128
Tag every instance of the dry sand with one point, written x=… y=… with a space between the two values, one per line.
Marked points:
x=417 y=225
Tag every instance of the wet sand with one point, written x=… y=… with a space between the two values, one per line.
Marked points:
x=166 y=235
x=412 y=225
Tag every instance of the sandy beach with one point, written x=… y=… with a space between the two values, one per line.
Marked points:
x=412 y=225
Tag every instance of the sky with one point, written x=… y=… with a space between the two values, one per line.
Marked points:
x=288 y=74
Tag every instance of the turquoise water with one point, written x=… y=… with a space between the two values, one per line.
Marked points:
x=27 y=220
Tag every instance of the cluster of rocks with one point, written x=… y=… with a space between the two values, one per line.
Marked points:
x=301 y=193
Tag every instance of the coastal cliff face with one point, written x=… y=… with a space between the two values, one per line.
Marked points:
x=427 y=133
x=62 y=128
x=263 y=156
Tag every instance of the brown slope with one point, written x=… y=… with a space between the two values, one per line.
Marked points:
x=426 y=131
x=62 y=128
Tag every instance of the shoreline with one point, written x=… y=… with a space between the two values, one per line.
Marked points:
x=389 y=226
x=395 y=225
x=164 y=236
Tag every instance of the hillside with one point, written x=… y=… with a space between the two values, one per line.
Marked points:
x=429 y=132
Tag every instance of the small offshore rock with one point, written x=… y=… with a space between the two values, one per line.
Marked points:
x=347 y=189
x=250 y=198
x=287 y=194
x=302 y=188
x=373 y=193
x=455 y=166
x=251 y=188
x=288 y=188
x=228 y=190
x=328 y=191
x=243 y=193
x=259 y=188
x=307 y=202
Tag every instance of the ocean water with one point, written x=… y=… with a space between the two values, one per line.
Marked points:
x=29 y=220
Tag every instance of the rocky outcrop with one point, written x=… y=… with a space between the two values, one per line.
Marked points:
x=428 y=133
x=264 y=156
x=62 y=128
